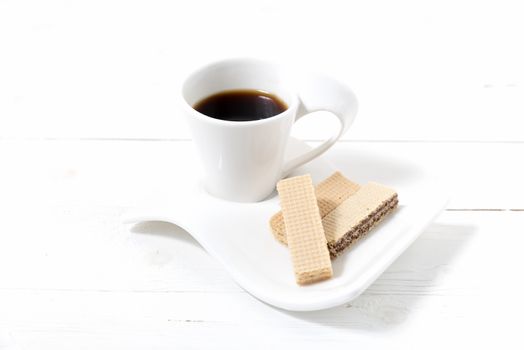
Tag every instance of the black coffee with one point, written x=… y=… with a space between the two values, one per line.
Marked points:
x=241 y=105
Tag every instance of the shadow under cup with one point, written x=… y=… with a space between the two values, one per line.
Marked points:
x=242 y=161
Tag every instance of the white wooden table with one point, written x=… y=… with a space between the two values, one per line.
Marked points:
x=88 y=126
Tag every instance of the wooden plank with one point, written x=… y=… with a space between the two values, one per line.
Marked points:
x=434 y=72
x=442 y=282
x=123 y=173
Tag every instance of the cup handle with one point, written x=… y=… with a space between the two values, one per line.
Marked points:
x=320 y=93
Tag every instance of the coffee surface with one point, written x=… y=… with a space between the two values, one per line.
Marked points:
x=241 y=105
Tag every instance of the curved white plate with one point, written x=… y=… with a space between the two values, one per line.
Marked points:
x=238 y=235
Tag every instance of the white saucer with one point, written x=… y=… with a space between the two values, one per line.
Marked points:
x=238 y=235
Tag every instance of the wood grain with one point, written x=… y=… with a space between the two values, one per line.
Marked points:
x=89 y=125
x=439 y=283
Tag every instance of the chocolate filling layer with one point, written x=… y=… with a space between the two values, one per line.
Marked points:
x=360 y=230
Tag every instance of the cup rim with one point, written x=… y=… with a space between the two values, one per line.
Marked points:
x=237 y=124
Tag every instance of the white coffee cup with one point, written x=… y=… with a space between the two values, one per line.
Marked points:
x=243 y=161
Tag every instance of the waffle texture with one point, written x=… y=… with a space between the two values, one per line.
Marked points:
x=303 y=226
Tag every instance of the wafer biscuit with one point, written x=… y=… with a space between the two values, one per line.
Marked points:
x=330 y=193
x=305 y=235
x=352 y=219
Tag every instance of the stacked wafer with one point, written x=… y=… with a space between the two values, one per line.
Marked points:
x=330 y=193
x=326 y=220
